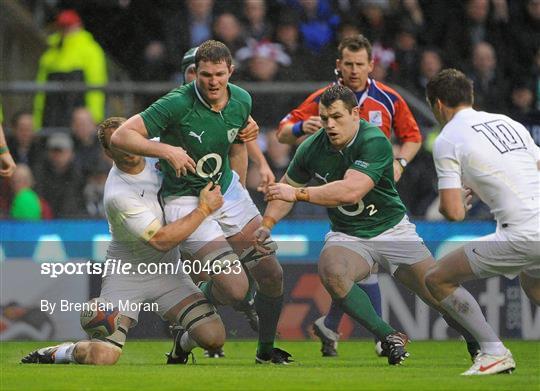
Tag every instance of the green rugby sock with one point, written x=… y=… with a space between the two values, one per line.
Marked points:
x=268 y=309
x=357 y=305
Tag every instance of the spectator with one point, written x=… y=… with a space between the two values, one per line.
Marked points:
x=94 y=188
x=475 y=26
x=303 y=65
x=187 y=28
x=257 y=26
x=59 y=181
x=490 y=87
x=25 y=204
x=72 y=56
x=262 y=61
x=228 y=30
x=318 y=23
x=24 y=143
x=407 y=54
x=525 y=36
x=87 y=149
x=430 y=64
x=522 y=108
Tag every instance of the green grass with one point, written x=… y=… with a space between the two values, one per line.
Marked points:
x=432 y=366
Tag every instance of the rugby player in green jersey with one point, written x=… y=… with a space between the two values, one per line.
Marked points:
x=352 y=161
x=197 y=124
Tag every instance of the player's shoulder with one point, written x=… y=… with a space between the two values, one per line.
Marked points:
x=369 y=131
x=239 y=94
x=117 y=193
x=379 y=89
x=183 y=95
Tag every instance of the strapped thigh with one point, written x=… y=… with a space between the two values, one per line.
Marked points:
x=196 y=313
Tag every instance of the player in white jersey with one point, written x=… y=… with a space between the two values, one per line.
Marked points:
x=496 y=158
x=139 y=235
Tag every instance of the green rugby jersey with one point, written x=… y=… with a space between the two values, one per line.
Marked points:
x=369 y=152
x=182 y=118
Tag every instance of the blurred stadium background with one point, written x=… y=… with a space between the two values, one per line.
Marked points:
x=284 y=50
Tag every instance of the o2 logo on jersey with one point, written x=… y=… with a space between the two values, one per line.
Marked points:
x=502 y=135
x=204 y=167
x=359 y=209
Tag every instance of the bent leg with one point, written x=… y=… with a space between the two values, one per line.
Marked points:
x=339 y=268
x=443 y=281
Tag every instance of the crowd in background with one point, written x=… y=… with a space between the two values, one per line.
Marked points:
x=495 y=42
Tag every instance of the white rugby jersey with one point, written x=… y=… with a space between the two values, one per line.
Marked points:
x=134 y=215
x=497 y=158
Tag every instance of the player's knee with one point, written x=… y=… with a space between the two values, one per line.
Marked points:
x=233 y=294
x=271 y=281
x=332 y=274
x=102 y=353
x=213 y=336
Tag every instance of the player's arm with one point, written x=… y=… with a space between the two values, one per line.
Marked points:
x=350 y=190
x=132 y=137
x=448 y=167
x=7 y=165
x=239 y=161
x=290 y=132
x=141 y=222
x=408 y=134
x=275 y=211
x=454 y=203
x=265 y=172
x=303 y=120
x=170 y=235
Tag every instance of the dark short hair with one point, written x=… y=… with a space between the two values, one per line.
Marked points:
x=213 y=51
x=17 y=116
x=109 y=123
x=339 y=92
x=354 y=44
x=451 y=87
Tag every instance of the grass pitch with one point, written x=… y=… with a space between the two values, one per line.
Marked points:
x=431 y=366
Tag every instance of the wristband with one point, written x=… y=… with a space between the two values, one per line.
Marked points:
x=297 y=129
x=204 y=209
x=4 y=149
x=268 y=222
x=302 y=194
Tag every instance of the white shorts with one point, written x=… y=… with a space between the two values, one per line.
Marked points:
x=166 y=290
x=503 y=253
x=238 y=209
x=399 y=245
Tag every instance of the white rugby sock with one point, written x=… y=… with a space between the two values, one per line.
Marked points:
x=64 y=354
x=462 y=306
x=187 y=343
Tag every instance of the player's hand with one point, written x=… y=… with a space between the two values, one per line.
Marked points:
x=211 y=197
x=467 y=198
x=267 y=177
x=7 y=165
x=261 y=234
x=312 y=124
x=280 y=191
x=179 y=160
x=250 y=132
x=398 y=171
